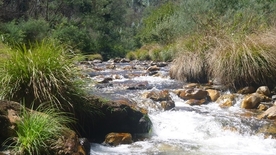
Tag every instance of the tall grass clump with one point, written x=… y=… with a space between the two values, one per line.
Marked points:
x=39 y=130
x=190 y=64
x=42 y=73
x=248 y=61
x=131 y=55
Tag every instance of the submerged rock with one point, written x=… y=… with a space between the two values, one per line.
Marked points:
x=115 y=139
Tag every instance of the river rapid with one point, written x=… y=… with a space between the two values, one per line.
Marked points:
x=186 y=130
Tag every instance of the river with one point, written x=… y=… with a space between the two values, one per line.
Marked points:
x=186 y=130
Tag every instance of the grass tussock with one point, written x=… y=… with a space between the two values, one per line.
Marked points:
x=245 y=61
x=190 y=64
x=38 y=130
x=41 y=73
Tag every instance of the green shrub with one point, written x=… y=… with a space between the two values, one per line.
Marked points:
x=248 y=61
x=39 y=130
x=143 y=54
x=43 y=73
x=24 y=32
x=93 y=57
x=131 y=55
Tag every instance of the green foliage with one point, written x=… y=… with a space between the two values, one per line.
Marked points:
x=131 y=55
x=157 y=27
x=39 y=130
x=143 y=54
x=93 y=57
x=42 y=73
x=24 y=32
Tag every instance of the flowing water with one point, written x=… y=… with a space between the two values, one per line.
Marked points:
x=186 y=130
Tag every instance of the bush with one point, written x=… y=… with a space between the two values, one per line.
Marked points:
x=24 y=32
x=39 y=130
x=43 y=73
x=143 y=54
x=248 y=61
x=93 y=57
x=131 y=55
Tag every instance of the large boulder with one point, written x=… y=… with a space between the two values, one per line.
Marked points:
x=119 y=115
x=270 y=113
x=252 y=101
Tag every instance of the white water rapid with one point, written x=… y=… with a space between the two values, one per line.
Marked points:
x=191 y=130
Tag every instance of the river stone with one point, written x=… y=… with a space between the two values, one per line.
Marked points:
x=196 y=94
x=68 y=143
x=262 y=107
x=214 y=94
x=226 y=100
x=191 y=85
x=252 y=101
x=115 y=139
x=247 y=90
x=196 y=102
x=263 y=90
x=168 y=105
x=270 y=113
x=153 y=68
x=157 y=95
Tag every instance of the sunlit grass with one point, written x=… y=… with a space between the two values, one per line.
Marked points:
x=41 y=73
x=39 y=130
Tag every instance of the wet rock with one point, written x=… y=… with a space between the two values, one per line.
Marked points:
x=157 y=95
x=166 y=101
x=196 y=102
x=153 y=68
x=268 y=131
x=84 y=142
x=68 y=143
x=153 y=73
x=124 y=60
x=128 y=67
x=247 y=90
x=263 y=90
x=196 y=94
x=9 y=115
x=226 y=100
x=191 y=86
x=121 y=115
x=167 y=105
x=105 y=80
x=262 y=107
x=252 y=101
x=97 y=61
x=214 y=94
x=139 y=85
x=110 y=66
x=115 y=139
x=270 y=113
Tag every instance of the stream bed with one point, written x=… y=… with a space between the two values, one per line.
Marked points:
x=186 y=130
